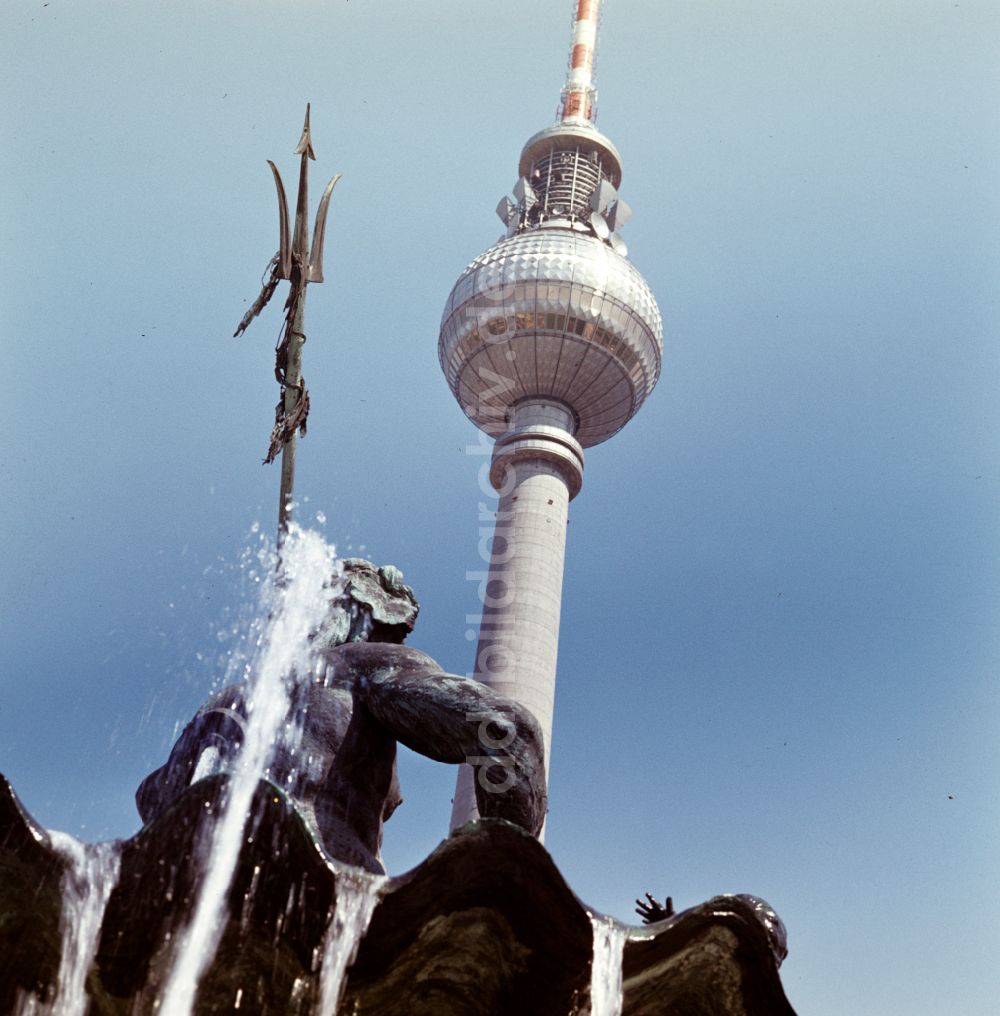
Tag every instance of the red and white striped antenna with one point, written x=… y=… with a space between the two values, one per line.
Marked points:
x=579 y=92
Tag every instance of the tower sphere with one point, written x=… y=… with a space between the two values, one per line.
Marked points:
x=554 y=310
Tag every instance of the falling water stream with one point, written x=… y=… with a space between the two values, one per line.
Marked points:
x=357 y=894
x=90 y=876
x=291 y=609
x=606 y=967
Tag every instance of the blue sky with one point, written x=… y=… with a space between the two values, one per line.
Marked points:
x=780 y=639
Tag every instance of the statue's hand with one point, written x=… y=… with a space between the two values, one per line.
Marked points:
x=653 y=911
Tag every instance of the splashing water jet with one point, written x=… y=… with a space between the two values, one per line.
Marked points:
x=293 y=605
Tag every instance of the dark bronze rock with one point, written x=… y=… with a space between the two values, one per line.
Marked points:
x=498 y=891
x=720 y=958
x=279 y=903
x=486 y=925
x=30 y=903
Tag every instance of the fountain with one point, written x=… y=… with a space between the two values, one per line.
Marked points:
x=256 y=883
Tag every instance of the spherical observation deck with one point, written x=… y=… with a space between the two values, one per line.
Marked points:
x=552 y=312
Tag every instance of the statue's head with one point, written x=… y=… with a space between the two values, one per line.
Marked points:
x=372 y=605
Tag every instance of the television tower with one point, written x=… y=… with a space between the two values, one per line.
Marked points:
x=550 y=341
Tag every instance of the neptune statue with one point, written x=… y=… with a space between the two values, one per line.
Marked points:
x=366 y=692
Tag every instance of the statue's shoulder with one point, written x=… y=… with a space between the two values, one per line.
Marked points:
x=232 y=698
x=368 y=657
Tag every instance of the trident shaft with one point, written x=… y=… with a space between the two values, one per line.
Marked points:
x=301 y=265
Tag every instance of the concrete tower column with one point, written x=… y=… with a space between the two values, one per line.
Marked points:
x=537 y=469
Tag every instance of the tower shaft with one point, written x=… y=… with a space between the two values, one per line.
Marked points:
x=537 y=469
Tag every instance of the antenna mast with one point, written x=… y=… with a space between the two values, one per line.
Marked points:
x=578 y=93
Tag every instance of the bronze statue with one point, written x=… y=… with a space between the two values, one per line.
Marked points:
x=366 y=692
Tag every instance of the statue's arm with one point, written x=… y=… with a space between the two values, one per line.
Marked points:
x=455 y=719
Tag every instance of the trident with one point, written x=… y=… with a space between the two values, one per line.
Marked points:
x=300 y=265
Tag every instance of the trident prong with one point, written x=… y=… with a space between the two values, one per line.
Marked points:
x=284 y=233
x=319 y=233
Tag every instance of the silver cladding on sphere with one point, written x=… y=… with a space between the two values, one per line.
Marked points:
x=552 y=313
